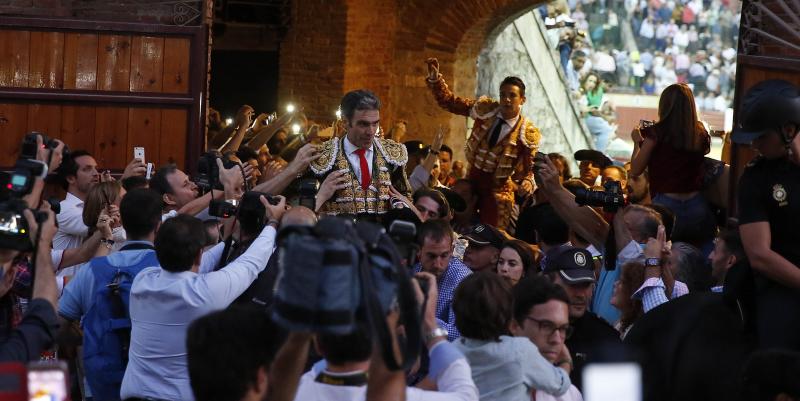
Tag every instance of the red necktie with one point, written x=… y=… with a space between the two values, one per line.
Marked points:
x=365 y=178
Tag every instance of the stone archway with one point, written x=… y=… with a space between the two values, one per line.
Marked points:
x=336 y=46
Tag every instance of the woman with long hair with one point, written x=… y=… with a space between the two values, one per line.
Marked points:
x=515 y=261
x=672 y=150
x=105 y=197
x=630 y=279
x=596 y=110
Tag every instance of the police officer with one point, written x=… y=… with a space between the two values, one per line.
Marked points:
x=769 y=208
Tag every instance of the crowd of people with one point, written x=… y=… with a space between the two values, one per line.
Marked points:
x=691 y=42
x=163 y=287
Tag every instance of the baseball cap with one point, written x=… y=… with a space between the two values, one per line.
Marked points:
x=484 y=234
x=767 y=105
x=572 y=263
x=594 y=156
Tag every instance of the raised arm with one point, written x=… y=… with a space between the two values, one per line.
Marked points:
x=441 y=92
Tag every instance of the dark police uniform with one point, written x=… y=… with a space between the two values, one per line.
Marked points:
x=769 y=191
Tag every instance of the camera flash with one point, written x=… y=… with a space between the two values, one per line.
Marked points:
x=290 y=108
x=296 y=128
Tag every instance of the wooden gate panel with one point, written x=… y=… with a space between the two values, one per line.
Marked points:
x=176 y=65
x=14 y=57
x=173 y=135
x=46 y=60
x=13 y=120
x=144 y=129
x=111 y=136
x=147 y=64
x=114 y=63
x=80 y=61
x=44 y=118
x=78 y=126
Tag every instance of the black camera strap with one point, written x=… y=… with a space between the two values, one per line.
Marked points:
x=406 y=299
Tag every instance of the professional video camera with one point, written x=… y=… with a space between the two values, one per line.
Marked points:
x=14 y=232
x=338 y=273
x=208 y=172
x=249 y=207
x=611 y=198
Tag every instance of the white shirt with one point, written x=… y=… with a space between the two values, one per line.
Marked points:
x=163 y=304
x=355 y=160
x=454 y=384
x=508 y=125
x=71 y=230
x=571 y=395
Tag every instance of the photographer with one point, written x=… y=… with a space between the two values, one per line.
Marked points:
x=33 y=334
x=165 y=299
x=180 y=195
x=343 y=374
x=769 y=208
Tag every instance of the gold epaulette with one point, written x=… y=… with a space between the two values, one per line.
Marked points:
x=483 y=106
x=530 y=135
x=325 y=162
x=394 y=153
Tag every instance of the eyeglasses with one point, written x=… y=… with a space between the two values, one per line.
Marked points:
x=549 y=327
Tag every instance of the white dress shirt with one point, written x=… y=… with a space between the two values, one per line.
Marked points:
x=454 y=383
x=71 y=230
x=508 y=125
x=355 y=160
x=571 y=395
x=163 y=304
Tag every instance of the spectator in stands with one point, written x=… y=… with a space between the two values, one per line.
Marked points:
x=541 y=313
x=516 y=261
x=672 y=150
x=503 y=367
x=592 y=103
x=165 y=299
x=485 y=242
x=435 y=239
x=347 y=360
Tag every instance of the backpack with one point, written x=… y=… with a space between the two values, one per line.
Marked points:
x=107 y=324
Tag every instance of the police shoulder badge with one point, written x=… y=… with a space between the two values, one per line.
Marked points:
x=779 y=194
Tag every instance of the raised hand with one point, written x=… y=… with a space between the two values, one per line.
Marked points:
x=433 y=68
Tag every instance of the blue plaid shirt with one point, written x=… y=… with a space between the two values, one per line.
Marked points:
x=456 y=271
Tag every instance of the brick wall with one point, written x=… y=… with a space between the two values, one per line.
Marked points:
x=340 y=45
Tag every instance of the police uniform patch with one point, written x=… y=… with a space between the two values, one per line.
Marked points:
x=779 y=194
x=580 y=259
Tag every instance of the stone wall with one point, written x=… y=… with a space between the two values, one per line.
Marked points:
x=522 y=49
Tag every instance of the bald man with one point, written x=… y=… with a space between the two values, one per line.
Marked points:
x=299 y=216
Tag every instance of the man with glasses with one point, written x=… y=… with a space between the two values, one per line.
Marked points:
x=571 y=268
x=541 y=313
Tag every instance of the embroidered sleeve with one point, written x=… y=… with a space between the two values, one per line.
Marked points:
x=447 y=100
x=325 y=162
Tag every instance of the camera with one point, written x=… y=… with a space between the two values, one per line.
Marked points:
x=307 y=193
x=249 y=207
x=29 y=149
x=611 y=198
x=208 y=172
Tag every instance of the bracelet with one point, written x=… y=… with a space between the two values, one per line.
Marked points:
x=273 y=222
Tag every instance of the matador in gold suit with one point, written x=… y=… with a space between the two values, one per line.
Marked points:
x=366 y=166
x=500 y=148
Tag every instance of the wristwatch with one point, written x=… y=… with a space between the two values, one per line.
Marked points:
x=437 y=332
x=652 y=262
x=107 y=242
